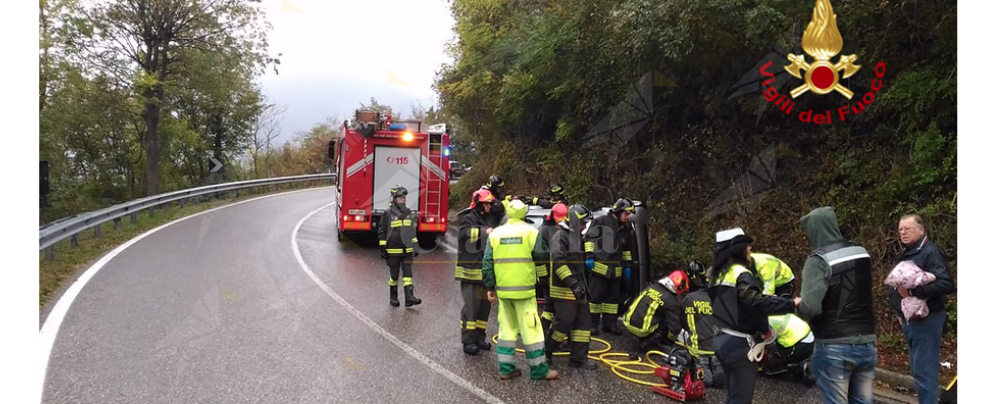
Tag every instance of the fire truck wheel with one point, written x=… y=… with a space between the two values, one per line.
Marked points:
x=428 y=242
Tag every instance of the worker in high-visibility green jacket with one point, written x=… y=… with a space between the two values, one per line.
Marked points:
x=794 y=346
x=777 y=277
x=509 y=276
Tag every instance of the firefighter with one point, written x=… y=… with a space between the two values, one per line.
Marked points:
x=509 y=275
x=548 y=228
x=496 y=186
x=654 y=315
x=398 y=245
x=568 y=288
x=555 y=196
x=777 y=277
x=608 y=252
x=794 y=346
x=698 y=332
x=472 y=236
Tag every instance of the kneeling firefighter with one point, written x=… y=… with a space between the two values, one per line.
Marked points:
x=794 y=346
x=398 y=245
x=568 y=289
x=698 y=326
x=653 y=316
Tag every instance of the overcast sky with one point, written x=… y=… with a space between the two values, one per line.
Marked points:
x=337 y=54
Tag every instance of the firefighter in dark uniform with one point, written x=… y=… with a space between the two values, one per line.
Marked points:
x=741 y=312
x=546 y=230
x=398 y=245
x=654 y=315
x=495 y=185
x=610 y=248
x=568 y=289
x=473 y=232
x=698 y=326
x=555 y=196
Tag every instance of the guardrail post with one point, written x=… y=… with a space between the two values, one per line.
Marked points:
x=117 y=224
x=75 y=240
x=134 y=217
x=50 y=253
x=151 y=211
x=96 y=230
x=182 y=203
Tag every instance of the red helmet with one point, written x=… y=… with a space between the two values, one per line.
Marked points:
x=482 y=195
x=559 y=212
x=680 y=282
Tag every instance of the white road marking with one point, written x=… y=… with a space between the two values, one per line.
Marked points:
x=50 y=330
x=441 y=370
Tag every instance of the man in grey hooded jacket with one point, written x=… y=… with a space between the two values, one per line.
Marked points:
x=836 y=300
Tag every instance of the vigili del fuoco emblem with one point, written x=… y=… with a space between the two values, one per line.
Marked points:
x=822 y=41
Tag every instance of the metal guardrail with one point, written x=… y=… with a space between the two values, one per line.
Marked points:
x=53 y=232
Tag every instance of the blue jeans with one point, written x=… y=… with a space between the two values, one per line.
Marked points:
x=923 y=336
x=844 y=372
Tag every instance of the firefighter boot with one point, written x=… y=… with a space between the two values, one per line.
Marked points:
x=610 y=324
x=595 y=329
x=481 y=342
x=469 y=343
x=393 y=296
x=408 y=296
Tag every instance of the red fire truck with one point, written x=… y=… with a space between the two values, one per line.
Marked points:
x=372 y=154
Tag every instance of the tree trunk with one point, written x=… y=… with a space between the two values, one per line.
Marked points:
x=43 y=83
x=153 y=150
x=255 y=163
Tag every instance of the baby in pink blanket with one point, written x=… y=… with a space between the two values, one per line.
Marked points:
x=907 y=275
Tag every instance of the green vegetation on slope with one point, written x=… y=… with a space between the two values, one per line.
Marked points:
x=531 y=79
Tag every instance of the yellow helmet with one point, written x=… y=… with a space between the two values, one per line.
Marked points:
x=517 y=209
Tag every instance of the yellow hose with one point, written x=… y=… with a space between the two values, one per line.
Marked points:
x=617 y=366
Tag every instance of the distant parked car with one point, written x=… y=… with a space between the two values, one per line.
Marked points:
x=457 y=169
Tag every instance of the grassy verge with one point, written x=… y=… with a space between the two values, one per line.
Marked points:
x=69 y=259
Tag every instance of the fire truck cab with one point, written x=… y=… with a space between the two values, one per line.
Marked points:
x=371 y=155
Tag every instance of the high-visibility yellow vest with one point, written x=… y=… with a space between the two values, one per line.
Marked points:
x=512 y=245
x=730 y=277
x=773 y=271
x=790 y=329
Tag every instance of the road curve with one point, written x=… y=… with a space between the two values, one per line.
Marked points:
x=259 y=303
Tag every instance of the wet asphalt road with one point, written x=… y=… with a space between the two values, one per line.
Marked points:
x=218 y=309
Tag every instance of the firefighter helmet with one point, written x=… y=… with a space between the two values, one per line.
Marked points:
x=696 y=270
x=494 y=182
x=398 y=191
x=560 y=212
x=482 y=195
x=579 y=213
x=677 y=282
x=623 y=204
x=555 y=189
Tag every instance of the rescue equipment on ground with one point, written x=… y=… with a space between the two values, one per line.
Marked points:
x=682 y=377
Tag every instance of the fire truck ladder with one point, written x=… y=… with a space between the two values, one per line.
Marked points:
x=433 y=203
